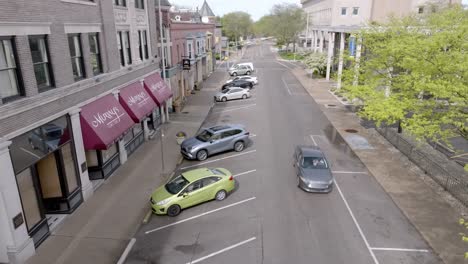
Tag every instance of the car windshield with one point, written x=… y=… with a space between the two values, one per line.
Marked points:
x=54 y=134
x=176 y=184
x=225 y=91
x=314 y=163
x=204 y=136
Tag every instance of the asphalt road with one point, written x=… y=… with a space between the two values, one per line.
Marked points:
x=267 y=219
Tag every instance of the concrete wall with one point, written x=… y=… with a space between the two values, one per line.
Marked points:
x=349 y=19
x=179 y=32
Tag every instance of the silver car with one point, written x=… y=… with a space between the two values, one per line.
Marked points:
x=312 y=169
x=252 y=79
x=215 y=140
x=240 y=70
x=232 y=93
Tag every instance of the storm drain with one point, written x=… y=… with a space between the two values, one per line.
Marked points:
x=330 y=106
x=350 y=130
x=185 y=112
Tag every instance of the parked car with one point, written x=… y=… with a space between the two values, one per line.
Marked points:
x=191 y=188
x=238 y=83
x=214 y=140
x=45 y=138
x=232 y=93
x=312 y=169
x=247 y=64
x=251 y=79
x=240 y=70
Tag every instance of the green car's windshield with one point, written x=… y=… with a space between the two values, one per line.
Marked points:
x=314 y=163
x=176 y=184
x=204 y=136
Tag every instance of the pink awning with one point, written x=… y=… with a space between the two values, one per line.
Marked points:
x=136 y=101
x=103 y=122
x=157 y=88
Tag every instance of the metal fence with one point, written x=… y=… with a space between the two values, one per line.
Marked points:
x=445 y=172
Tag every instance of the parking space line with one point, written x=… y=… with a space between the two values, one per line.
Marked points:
x=286 y=85
x=253 y=135
x=401 y=249
x=313 y=140
x=242 y=173
x=210 y=161
x=283 y=65
x=350 y=172
x=200 y=215
x=238 y=108
x=356 y=223
x=232 y=107
x=222 y=250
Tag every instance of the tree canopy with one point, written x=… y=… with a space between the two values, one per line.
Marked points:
x=236 y=25
x=414 y=70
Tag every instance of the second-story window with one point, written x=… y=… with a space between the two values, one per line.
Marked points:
x=355 y=11
x=140 y=4
x=343 y=11
x=198 y=47
x=120 y=2
x=95 y=53
x=9 y=83
x=123 y=42
x=40 y=58
x=74 y=43
x=145 y=44
x=189 y=47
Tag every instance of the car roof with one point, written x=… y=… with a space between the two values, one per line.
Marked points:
x=196 y=174
x=310 y=151
x=221 y=128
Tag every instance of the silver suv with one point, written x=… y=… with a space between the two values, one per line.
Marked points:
x=214 y=140
x=240 y=70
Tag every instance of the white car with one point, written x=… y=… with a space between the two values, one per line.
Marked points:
x=232 y=93
x=252 y=79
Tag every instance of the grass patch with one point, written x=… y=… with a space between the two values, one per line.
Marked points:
x=290 y=56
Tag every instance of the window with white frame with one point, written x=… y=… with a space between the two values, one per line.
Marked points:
x=145 y=45
x=40 y=58
x=120 y=2
x=9 y=83
x=189 y=50
x=343 y=11
x=140 y=4
x=76 y=54
x=123 y=39
x=95 y=54
x=355 y=11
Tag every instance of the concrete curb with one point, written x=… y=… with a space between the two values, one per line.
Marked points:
x=443 y=255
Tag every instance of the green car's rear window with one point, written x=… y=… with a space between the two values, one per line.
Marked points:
x=218 y=172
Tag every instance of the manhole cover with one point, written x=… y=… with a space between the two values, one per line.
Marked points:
x=185 y=112
x=350 y=130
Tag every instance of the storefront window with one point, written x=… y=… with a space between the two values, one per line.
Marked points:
x=128 y=137
x=91 y=158
x=49 y=177
x=137 y=129
x=109 y=153
x=29 y=199
x=70 y=169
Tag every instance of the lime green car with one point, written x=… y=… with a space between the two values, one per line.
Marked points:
x=191 y=188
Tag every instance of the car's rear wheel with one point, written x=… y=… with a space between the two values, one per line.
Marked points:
x=220 y=195
x=239 y=146
x=202 y=155
x=244 y=96
x=173 y=210
x=224 y=99
x=248 y=73
x=234 y=74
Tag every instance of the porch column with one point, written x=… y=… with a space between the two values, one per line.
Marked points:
x=86 y=186
x=15 y=243
x=163 y=114
x=331 y=44
x=340 y=60
x=322 y=36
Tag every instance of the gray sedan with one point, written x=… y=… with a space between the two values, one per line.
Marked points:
x=232 y=93
x=215 y=140
x=312 y=169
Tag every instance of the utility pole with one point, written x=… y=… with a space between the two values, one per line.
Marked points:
x=164 y=79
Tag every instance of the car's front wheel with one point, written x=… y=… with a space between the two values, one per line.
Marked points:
x=248 y=73
x=234 y=74
x=244 y=96
x=220 y=195
x=224 y=99
x=239 y=146
x=173 y=210
x=202 y=155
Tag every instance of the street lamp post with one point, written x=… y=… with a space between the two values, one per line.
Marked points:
x=164 y=78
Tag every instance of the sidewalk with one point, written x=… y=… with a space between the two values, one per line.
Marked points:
x=100 y=229
x=426 y=210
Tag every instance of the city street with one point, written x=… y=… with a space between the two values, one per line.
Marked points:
x=268 y=219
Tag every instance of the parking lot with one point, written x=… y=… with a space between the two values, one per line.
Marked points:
x=267 y=219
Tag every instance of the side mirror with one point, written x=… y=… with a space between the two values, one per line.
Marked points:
x=185 y=194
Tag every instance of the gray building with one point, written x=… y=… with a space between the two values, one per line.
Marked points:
x=80 y=90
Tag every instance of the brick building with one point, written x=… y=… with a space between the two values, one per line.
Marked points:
x=80 y=90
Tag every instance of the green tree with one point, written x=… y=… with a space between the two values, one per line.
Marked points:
x=236 y=25
x=264 y=26
x=286 y=22
x=414 y=72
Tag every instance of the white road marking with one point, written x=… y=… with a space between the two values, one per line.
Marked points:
x=356 y=223
x=222 y=250
x=242 y=173
x=350 y=172
x=286 y=85
x=313 y=140
x=238 y=108
x=401 y=249
x=127 y=251
x=200 y=215
x=283 y=65
x=29 y=152
x=253 y=135
x=210 y=161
